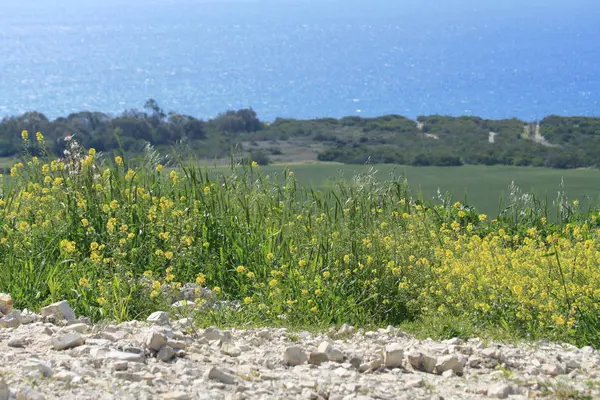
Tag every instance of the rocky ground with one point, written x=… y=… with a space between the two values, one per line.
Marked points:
x=55 y=355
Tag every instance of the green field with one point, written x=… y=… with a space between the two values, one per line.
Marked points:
x=484 y=187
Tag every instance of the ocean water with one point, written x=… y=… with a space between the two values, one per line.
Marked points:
x=302 y=58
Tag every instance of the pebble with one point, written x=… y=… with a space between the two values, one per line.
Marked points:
x=332 y=353
x=295 y=355
x=159 y=318
x=393 y=356
x=4 y=391
x=155 y=340
x=166 y=353
x=60 y=310
x=68 y=341
x=216 y=374
x=499 y=391
x=29 y=394
x=6 y=303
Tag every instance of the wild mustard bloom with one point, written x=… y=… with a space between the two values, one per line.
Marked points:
x=119 y=160
x=39 y=137
x=84 y=282
x=24 y=135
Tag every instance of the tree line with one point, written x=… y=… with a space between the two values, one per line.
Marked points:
x=572 y=142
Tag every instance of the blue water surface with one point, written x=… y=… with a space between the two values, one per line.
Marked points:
x=302 y=58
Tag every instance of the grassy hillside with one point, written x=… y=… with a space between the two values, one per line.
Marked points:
x=484 y=187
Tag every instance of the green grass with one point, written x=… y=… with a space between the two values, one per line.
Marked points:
x=118 y=243
x=484 y=187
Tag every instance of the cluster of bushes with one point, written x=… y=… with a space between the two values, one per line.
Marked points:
x=131 y=130
x=435 y=140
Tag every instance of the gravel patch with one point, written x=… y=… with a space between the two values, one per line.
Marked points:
x=59 y=357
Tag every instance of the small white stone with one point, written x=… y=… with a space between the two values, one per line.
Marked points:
x=346 y=330
x=499 y=391
x=393 y=356
x=67 y=341
x=489 y=353
x=60 y=310
x=166 y=353
x=216 y=374
x=17 y=341
x=37 y=366
x=129 y=376
x=79 y=328
x=213 y=333
x=332 y=353
x=414 y=382
x=155 y=340
x=573 y=364
x=10 y=321
x=66 y=376
x=230 y=349
x=6 y=303
x=446 y=363
x=120 y=366
x=176 y=396
x=159 y=318
x=29 y=394
x=317 y=358
x=553 y=369
x=124 y=356
x=448 y=373
x=295 y=355
x=4 y=391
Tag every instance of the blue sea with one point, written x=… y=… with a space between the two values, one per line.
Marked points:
x=302 y=58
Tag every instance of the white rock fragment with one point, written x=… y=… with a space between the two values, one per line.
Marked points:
x=230 y=349
x=216 y=374
x=333 y=354
x=500 y=391
x=295 y=355
x=447 y=363
x=60 y=310
x=393 y=355
x=317 y=358
x=124 y=356
x=553 y=369
x=120 y=366
x=213 y=333
x=10 y=321
x=79 y=328
x=346 y=330
x=422 y=362
x=165 y=354
x=129 y=376
x=28 y=317
x=414 y=382
x=68 y=341
x=176 y=396
x=17 y=341
x=158 y=318
x=4 y=391
x=155 y=340
x=29 y=394
x=6 y=303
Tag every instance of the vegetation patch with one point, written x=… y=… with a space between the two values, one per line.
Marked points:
x=117 y=240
